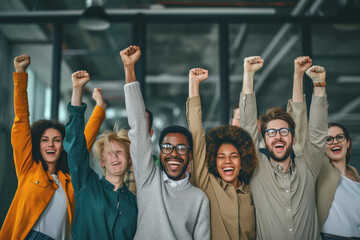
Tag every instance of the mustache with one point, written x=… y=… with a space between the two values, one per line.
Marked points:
x=278 y=141
x=174 y=158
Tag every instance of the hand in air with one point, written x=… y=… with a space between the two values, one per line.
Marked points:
x=198 y=75
x=80 y=78
x=316 y=73
x=98 y=97
x=253 y=64
x=130 y=55
x=301 y=64
x=21 y=63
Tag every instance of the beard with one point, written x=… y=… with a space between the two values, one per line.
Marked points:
x=279 y=159
x=175 y=178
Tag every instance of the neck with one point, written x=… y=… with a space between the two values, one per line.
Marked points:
x=341 y=165
x=51 y=168
x=284 y=164
x=117 y=181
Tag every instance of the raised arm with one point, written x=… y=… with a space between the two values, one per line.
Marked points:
x=297 y=106
x=96 y=119
x=21 y=133
x=140 y=147
x=317 y=131
x=200 y=173
x=129 y=57
x=74 y=142
x=248 y=111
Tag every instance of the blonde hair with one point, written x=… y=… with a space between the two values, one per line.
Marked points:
x=120 y=136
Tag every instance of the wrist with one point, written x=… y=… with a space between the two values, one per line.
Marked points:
x=19 y=70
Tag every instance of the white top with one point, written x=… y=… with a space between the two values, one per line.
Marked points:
x=54 y=220
x=344 y=214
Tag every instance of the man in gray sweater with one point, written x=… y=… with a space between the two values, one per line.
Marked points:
x=169 y=206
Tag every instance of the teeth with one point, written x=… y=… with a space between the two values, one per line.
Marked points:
x=173 y=162
x=50 y=151
x=228 y=169
x=279 y=145
x=336 y=149
x=115 y=163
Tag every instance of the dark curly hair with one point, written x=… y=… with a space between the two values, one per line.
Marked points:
x=242 y=142
x=37 y=130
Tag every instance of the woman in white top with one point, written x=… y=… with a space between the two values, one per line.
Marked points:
x=338 y=188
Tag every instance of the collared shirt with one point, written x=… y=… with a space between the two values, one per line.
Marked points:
x=232 y=210
x=285 y=200
x=176 y=184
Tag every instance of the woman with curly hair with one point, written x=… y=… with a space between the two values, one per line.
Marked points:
x=43 y=205
x=222 y=167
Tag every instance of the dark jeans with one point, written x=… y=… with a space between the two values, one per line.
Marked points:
x=326 y=236
x=34 y=235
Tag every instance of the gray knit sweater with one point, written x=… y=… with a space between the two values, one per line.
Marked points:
x=164 y=212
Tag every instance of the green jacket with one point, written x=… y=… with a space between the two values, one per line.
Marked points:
x=100 y=212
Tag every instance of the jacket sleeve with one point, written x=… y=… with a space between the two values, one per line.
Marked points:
x=21 y=132
x=314 y=149
x=248 y=118
x=298 y=111
x=199 y=171
x=140 y=147
x=93 y=126
x=75 y=146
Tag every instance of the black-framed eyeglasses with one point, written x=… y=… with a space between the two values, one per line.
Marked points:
x=167 y=148
x=340 y=138
x=271 y=132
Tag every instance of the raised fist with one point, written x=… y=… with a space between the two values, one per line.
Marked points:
x=316 y=73
x=80 y=78
x=301 y=64
x=198 y=75
x=98 y=97
x=130 y=55
x=21 y=63
x=253 y=64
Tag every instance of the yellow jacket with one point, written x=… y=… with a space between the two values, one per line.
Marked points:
x=35 y=185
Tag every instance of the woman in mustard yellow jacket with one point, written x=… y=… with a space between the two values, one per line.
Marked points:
x=43 y=205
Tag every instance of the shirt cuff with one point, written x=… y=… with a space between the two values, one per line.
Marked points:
x=76 y=110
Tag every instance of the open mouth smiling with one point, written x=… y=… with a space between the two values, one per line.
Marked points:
x=228 y=170
x=336 y=149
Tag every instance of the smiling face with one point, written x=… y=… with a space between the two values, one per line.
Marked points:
x=279 y=147
x=337 y=150
x=174 y=164
x=228 y=163
x=115 y=161
x=51 y=146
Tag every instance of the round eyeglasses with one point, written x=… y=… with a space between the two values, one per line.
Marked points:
x=167 y=148
x=330 y=139
x=271 y=132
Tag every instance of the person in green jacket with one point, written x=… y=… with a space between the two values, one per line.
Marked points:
x=104 y=208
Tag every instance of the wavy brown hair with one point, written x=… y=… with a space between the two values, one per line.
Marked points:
x=276 y=114
x=241 y=141
x=37 y=130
